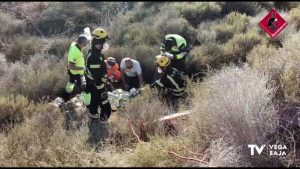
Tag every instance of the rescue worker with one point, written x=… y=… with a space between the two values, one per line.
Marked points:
x=172 y=80
x=96 y=76
x=76 y=66
x=113 y=72
x=131 y=74
x=175 y=47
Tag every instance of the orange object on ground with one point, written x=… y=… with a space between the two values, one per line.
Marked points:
x=113 y=72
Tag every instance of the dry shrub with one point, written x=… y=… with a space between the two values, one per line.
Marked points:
x=59 y=46
x=207 y=54
x=290 y=81
x=221 y=154
x=196 y=12
x=205 y=34
x=22 y=48
x=232 y=24
x=291 y=76
x=170 y=22
x=156 y=153
x=145 y=110
x=118 y=53
x=237 y=48
x=43 y=76
x=265 y=58
x=281 y=65
x=294 y=17
x=285 y=5
x=118 y=28
x=249 y=8
x=234 y=104
x=146 y=56
x=12 y=110
x=41 y=141
x=120 y=134
x=137 y=34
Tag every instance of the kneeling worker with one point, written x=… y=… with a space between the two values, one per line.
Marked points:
x=113 y=72
x=131 y=74
x=172 y=80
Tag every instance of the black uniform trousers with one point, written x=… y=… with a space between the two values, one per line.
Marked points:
x=99 y=98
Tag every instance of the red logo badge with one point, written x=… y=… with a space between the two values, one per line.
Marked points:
x=273 y=23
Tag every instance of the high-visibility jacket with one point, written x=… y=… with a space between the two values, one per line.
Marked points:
x=114 y=71
x=76 y=56
x=96 y=68
x=172 y=80
x=179 y=52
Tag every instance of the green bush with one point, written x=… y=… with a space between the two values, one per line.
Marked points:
x=172 y=23
x=138 y=34
x=224 y=32
x=237 y=48
x=207 y=54
x=248 y=8
x=146 y=56
x=196 y=12
x=233 y=23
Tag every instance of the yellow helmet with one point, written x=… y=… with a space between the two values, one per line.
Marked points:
x=162 y=61
x=100 y=33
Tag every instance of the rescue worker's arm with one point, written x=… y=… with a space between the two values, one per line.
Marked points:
x=126 y=86
x=157 y=85
x=122 y=68
x=140 y=75
x=161 y=84
x=73 y=67
x=98 y=72
x=140 y=80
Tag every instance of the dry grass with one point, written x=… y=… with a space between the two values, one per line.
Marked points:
x=44 y=76
x=234 y=104
x=146 y=113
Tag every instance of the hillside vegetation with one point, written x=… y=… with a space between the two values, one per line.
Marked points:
x=246 y=77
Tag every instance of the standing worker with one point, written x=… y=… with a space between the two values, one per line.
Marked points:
x=76 y=66
x=172 y=80
x=131 y=74
x=96 y=77
x=175 y=47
